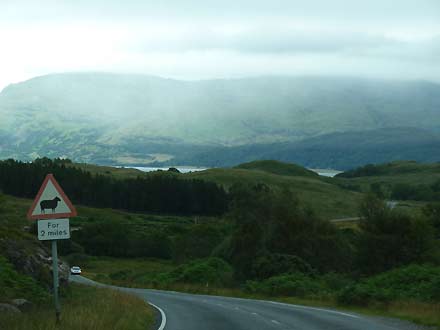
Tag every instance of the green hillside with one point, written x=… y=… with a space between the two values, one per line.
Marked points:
x=413 y=182
x=326 y=199
x=402 y=172
x=276 y=167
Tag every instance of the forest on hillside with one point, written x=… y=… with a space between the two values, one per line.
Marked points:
x=157 y=194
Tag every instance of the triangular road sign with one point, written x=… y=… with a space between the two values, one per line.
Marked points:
x=51 y=202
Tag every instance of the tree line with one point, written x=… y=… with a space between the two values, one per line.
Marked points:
x=157 y=193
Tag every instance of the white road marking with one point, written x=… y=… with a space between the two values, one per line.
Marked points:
x=253 y=313
x=316 y=309
x=163 y=316
x=275 y=321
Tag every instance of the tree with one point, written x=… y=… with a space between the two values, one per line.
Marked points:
x=390 y=239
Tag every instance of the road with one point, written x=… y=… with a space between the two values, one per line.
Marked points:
x=183 y=311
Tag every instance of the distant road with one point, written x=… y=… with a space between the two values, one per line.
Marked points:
x=390 y=204
x=200 y=312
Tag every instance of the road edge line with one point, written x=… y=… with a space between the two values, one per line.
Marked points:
x=162 y=315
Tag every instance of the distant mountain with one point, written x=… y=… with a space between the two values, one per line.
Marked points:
x=136 y=119
x=336 y=150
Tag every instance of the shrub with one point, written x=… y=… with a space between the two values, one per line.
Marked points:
x=121 y=275
x=362 y=294
x=16 y=285
x=294 y=284
x=414 y=282
x=271 y=264
x=77 y=259
x=207 y=271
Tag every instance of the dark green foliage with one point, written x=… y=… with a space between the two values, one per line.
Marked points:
x=2 y=202
x=420 y=192
x=391 y=168
x=416 y=282
x=16 y=285
x=206 y=272
x=376 y=189
x=432 y=211
x=362 y=295
x=196 y=242
x=367 y=170
x=389 y=239
x=268 y=222
x=156 y=193
x=77 y=259
x=118 y=239
x=294 y=284
x=271 y=264
x=212 y=271
x=69 y=246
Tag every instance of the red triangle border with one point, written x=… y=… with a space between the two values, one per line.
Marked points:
x=73 y=212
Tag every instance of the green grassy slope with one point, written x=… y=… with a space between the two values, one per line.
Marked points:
x=326 y=199
x=408 y=172
x=276 y=167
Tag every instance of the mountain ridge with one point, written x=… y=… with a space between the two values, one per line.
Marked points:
x=106 y=117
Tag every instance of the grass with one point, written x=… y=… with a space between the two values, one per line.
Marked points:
x=326 y=199
x=87 y=308
x=277 y=167
x=99 y=268
x=406 y=172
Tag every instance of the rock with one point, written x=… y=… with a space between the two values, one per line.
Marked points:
x=30 y=257
x=9 y=309
x=22 y=304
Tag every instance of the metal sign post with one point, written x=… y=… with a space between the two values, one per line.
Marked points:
x=49 y=206
x=55 y=281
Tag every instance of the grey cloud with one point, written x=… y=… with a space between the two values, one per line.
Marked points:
x=268 y=41
x=388 y=11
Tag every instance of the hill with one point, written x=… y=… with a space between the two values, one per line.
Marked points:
x=276 y=167
x=396 y=169
x=324 y=196
x=136 y=119
x=343 y=151
x=402 y=180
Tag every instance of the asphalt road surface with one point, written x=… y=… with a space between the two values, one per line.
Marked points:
x=181 y=311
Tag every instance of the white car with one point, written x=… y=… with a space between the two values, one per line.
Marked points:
x=75 y=270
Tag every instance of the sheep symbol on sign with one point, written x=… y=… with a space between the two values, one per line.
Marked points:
x=49 y=204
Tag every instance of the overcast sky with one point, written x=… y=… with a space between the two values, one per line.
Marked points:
x=221 y=39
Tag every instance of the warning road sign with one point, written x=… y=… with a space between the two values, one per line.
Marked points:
x=51 y=202
x=53 y=229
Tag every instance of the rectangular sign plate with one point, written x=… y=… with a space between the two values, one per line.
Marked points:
x=53 y=229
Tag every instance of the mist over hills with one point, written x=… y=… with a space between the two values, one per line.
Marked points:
x=137 y=119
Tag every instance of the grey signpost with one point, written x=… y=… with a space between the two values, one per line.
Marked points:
x=52 y=208
x=55 y=280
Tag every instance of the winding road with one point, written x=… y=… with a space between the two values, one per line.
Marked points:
x=181 y=311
